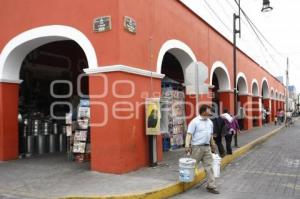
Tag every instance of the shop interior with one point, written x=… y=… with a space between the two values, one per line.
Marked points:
x=173 y=115
x=54 y=119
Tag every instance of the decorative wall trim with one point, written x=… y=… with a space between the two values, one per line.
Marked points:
x=125 y=69
x=245 y=94
x=225 y=79
x=170 y=45
x=211 y=86
x=225 y=91
x=243 y=76
x=11 y=81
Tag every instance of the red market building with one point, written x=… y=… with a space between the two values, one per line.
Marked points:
x=124 y=68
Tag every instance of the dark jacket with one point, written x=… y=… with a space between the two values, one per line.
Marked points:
x=219 y=124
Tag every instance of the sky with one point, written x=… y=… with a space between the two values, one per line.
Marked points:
x=280 y=27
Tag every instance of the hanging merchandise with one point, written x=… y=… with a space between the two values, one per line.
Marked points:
x=81 y=141
x=173 y=121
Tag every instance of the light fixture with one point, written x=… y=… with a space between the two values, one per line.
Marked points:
x=266 y=6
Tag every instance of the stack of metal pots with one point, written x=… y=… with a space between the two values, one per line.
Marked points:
x=40 y=135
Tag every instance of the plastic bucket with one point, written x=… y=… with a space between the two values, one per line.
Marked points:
x=186 y=169
x=216 y=165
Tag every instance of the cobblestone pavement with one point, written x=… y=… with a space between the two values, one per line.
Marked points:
x=270 y=171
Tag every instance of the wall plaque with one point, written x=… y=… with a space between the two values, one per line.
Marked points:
x=130 y=24
x=102 y=24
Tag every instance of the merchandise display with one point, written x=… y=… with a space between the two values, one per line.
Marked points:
x=81 y=141
x=173 y=121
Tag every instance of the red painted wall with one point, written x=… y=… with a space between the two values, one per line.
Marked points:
x=9 y=148
x=256 y=113
x=121 y=145
x=157 y=22
x=226 y=99
x=246 y=102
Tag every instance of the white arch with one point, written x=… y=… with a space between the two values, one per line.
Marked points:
x=276 y=94
x=186 y=58
x=255 y=92
x=243 y=85
x=222 y=74
x=266 y=88
x=17 y=48
x=176 y=48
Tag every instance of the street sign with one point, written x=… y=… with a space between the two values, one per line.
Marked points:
x=196 y=75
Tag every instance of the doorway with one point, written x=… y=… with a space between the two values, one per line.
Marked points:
x=50 y=101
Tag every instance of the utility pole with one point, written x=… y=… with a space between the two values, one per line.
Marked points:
x=266 y=8
x=235 y=31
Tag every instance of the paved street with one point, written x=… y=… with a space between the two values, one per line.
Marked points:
x=270 y=171
x=53 y=176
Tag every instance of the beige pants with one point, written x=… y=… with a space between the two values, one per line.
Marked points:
x=203 y=154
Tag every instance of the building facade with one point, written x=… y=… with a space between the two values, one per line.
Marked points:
x=123 y=68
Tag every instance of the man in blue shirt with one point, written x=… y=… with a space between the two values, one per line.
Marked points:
x=198 y=143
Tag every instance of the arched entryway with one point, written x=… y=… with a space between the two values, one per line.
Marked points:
x=242 y=100
x=221 y=92
x=28 y=64
x=177 y=60
x=51 y=87
x=265 y=93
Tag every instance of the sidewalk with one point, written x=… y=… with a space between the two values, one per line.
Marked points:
x=271 y=171
x=53 y=177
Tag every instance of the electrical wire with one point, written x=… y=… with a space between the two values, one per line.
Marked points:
x=247 y=25
x=253 y=27
x=216 y=15
x=262 y=43
x=257 y=33
x=270 y=44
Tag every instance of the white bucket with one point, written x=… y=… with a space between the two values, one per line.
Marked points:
x=186 y=169
x=216 y=165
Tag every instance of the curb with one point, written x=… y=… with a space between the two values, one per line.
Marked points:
x=179 y=187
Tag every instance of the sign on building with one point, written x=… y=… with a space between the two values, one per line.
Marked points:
x=196 y=75
x=152 y=116
x=130 y=24
x=102 y=24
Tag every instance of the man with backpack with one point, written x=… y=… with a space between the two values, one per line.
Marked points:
x=231 y=127
x=219 y=125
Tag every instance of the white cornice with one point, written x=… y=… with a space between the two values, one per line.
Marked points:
x=245 y=94
x=123 y=68
x=13 y=81
x=225 y=91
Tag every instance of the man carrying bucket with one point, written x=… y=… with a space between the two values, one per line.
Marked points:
x=199 y=143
